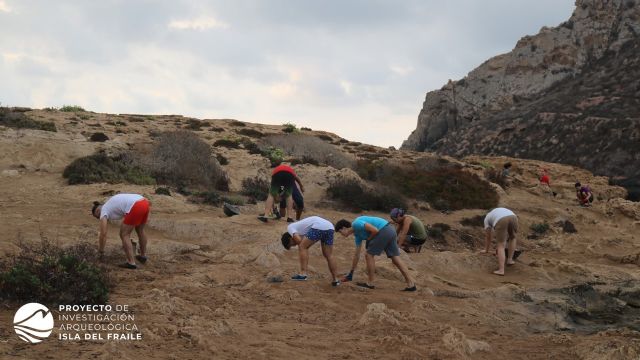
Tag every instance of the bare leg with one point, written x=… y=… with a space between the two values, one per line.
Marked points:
x=125 y=236
x=511 y=246
x=289 y=207
x=142 y=237
x=298 y=214
x=403 y=269
x=327 y=251
x=303 y=253
x=268 y=206
x=501 y=259
x=371 y=267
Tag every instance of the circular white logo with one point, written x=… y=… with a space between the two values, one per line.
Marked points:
x=33 y=323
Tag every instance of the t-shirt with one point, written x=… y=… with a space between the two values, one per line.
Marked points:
x=303 y=226
x=118 y=206
x=545 y=179
x=283 y=167
x=585 y=189
x=359 y=231
x=416 y=229
x=495 y=215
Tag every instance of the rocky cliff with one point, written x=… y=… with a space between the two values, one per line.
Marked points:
x=568 y=94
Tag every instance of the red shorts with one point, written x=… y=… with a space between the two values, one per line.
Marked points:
x=139 y=213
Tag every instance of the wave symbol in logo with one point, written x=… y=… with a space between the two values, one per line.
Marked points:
x=33 y=323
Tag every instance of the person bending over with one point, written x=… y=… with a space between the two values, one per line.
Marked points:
x=502 y=223
x=410 y=230
x=283 y=179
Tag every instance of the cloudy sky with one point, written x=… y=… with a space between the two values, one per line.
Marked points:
x=359 y=68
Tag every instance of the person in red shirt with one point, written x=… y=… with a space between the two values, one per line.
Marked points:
x=545 y=181
x=283 y=179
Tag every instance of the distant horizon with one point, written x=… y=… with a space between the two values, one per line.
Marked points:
x=359 y=69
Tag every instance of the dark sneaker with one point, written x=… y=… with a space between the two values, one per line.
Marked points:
x=142 y=259
x=335 y=283
x=365 y=285
x=413 y=288
x=128 y=266
x=290 y=220
x=298 y=277
x=263 y=218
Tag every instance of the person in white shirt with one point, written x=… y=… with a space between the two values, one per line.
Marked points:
x=134 y=210
x=304 y=234
x=504 y=224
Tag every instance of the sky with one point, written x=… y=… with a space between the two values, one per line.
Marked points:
x=358 y=68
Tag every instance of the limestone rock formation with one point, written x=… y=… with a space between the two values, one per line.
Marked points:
x=568 y=94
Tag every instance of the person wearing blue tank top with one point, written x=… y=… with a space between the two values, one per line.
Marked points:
x=378 y=236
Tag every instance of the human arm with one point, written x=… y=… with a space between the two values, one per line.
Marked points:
x=356 y=259
x=402 y=236
x=102 y=239
x=487 y=240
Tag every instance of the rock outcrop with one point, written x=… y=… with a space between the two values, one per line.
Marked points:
x=568 y=94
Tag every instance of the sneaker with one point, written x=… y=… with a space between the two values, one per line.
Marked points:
x=290 y=220
x=365 y=285
x=413 y=288
x=142 y=259
x=335 y=283
x=263 y=218
x=298 y=277
x=128 y=266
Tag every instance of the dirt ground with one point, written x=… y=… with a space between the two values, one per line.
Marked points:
x=205 y=292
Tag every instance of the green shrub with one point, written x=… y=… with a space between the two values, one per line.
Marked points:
x=18 y=120
x=98 y=137
x=210 y=198
x=234 y=200
x=163 y=191
x=222 y=159
x=71 y=108
x=100 y=167
x=445 y=188
x=289 y=128
x=356 y=197
x=250 y=132
x=228 y=143
x=47 y=273
x=275 y=155
x=305 y=129
x=180 y=158
x=256 y=188
x=540 y=228
x=476 y=221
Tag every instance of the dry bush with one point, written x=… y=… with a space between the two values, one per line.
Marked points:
x=48 y=273
x=311 y=148
x=256 y=188
x=250 y=132
x=98 y=137
x=357 y=197
x=18 y=120
x=180 y=158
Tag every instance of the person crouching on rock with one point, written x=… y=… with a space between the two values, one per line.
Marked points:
x=584 y=194
x=410 y=230
x=283 y=179
x=135 y=210
x=504 y=224
x=304 y=234
x=378 y=235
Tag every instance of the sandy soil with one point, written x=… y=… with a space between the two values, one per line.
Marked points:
x=205 y=292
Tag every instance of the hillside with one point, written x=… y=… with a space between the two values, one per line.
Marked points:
x=568 y=94
x=206 y=291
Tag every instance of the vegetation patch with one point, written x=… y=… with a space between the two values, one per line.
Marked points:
x=237 y=123
x=18 y=120
x=445 y=188
x=163 y=191
x=355 y=196
x=71 y=108
x=250 y=132
x=540 y=228
x=98 y=137
x=48 y=273
x=289 y=128
x=256 y=188
x=229 y=143
x=476 y=221
x=182 y=159
x=310 y=148
x=101 y=167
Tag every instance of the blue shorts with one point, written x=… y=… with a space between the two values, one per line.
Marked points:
x=325 y=236
x=298 y=200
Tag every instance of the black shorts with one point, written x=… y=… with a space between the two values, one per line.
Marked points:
x=298 y=200
x=415 y=241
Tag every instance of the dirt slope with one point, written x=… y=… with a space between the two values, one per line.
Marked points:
x=204 y=294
